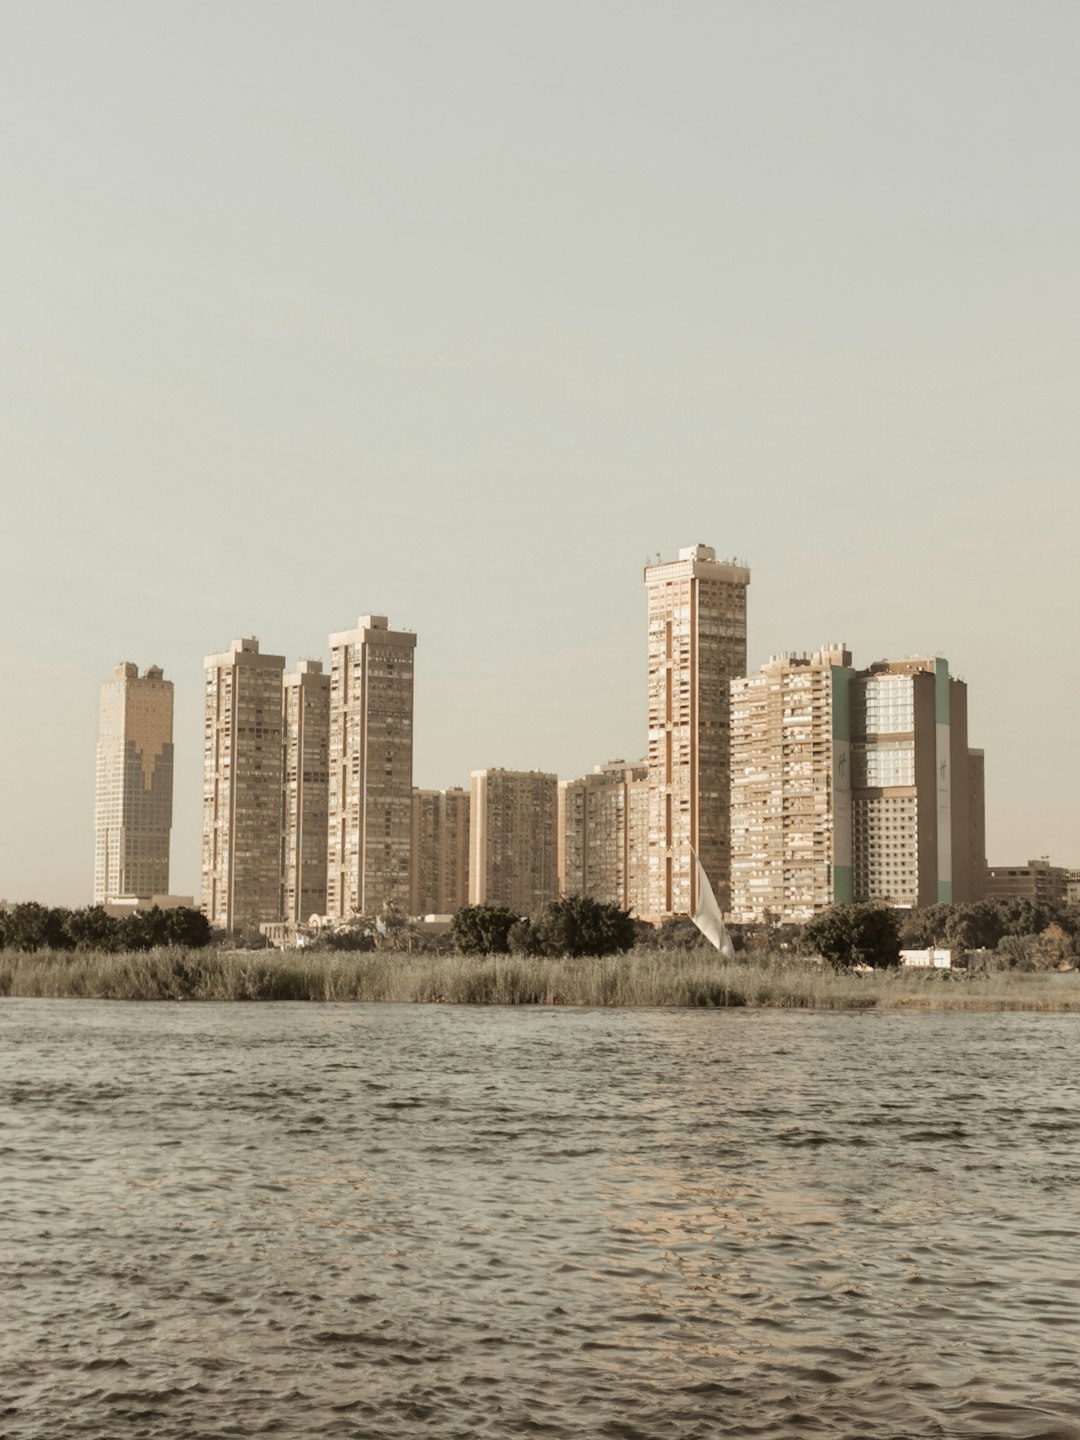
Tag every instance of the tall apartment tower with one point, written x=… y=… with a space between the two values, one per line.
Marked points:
x=242 y=765
x=603 y=832
x=305 y=791
x=697 y=646
x=371 y=750
x=440 y=851
x=512 y=847
x=917 y=788
x=133 y=800
x=791 y=788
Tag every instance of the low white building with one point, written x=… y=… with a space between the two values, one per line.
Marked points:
x=927 y=959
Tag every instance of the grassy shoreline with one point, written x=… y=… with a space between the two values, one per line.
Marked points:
x=639 y=978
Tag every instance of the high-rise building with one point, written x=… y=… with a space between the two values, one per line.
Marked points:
x=916 y=787
x=371 y=748
x=791 y=788
x=305 y=792
x=513 y=818
x=440 y=851
x=242 y=791
x=133 y=801
x=696 y=647
x=603 y=835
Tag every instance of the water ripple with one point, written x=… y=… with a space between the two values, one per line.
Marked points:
x=386 y=1221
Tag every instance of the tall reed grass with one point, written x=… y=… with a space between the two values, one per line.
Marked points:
x=642 y=977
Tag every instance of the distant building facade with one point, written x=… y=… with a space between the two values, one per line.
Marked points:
x=1038 y=880
x=512 y=839
x=371 y=757
x=791 y=834
x=242 y=787
x=696 y=647
x=603 y=832
x=134 y=789
x=917 y=796
x=305 y=791
x=440 y=851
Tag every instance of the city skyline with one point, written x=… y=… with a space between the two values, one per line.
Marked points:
x=407 y=638
x=799 y=281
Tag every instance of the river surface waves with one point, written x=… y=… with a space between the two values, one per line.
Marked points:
x=304 y=1220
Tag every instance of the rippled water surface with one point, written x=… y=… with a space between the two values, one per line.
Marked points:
x=231 y=1220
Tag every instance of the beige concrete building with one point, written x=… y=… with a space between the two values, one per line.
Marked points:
x=242 y=765
x=603 y=829
x=134 y=791
x=371 y=750
x=917 y=790
x=513 y=852
x=696 y=647
x=791 y=843
x=440 y=851
x=305 y=791
x=1037 y=880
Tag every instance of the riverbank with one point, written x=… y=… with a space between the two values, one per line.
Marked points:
x=640 y=978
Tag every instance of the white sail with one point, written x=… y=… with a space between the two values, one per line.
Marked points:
x=707 y=916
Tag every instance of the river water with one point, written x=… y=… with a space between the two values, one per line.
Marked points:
x=369 y=1221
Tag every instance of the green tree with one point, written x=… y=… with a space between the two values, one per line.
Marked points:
x=186 y=926
x=482 y=929
x=1023 y=916
x=578 y=925
x=924 y=929
x=31 y=926
x=93 y=929
x=855 y=935
x=976 y=925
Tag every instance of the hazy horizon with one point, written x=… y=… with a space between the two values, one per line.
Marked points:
x=460 y=314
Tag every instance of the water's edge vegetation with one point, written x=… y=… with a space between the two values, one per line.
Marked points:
x=687 y=978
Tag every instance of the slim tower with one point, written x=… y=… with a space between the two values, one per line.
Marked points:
x=242 y=759
x=696 y=647
x=371 y=749
x=791 y=788
x=305 y=793
x=133 y=800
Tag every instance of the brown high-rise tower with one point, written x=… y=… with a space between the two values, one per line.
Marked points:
x=697 y=646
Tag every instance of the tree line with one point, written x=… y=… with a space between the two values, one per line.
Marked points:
x=1018 y=934
x=1015 y=933
x=1009 y=933
x=31 y=926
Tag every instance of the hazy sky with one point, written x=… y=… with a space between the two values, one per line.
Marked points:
x=459 y=312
